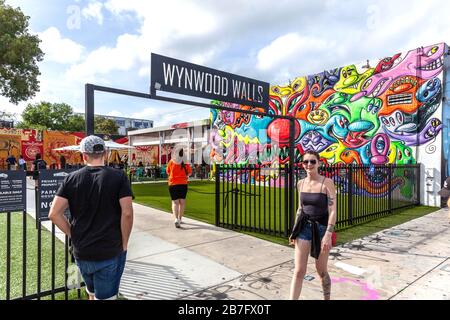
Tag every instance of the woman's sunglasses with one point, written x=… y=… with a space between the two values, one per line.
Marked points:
x=309 y=161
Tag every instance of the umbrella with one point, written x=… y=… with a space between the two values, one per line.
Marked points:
x=111 y=145
x=68 y=148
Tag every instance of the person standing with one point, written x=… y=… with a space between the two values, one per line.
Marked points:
x=38 y=164
x=22 y=163
x=100 y=203
x=62 y=162
x=445 y=193
x=314 y=226
x=178 y=173
x=11 y=161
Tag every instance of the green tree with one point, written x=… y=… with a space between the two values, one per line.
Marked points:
x=76 y=123
x=46 y=115
x=19 y=55
x=105 y=126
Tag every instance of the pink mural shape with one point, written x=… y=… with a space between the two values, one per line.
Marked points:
x=368 y=292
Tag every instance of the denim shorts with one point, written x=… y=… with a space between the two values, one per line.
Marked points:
x=306 y=231
x=102 y=278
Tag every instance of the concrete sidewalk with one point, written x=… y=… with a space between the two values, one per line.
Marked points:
x=201 y=261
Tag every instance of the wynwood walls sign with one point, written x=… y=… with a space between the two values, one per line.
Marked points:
x=185 y=78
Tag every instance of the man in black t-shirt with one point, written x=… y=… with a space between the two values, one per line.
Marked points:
x=100 y=202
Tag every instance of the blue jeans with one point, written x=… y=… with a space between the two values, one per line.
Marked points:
x=306 y=232
x=102 y=278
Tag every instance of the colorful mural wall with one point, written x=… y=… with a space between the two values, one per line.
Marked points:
x=58 y=139
x=146 y=155
x=29 y=142
x=25 y=142
x=385 y=111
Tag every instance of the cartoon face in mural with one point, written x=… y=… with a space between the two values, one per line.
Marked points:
x=431 y=63
x=352 y=122
x=399 y=153
x=351 y=157
x=314 y=141
x=321 y=82
x=430 y=92
x=386 y=64
x=351 y=80
x=254 y=130
x=332 y=154
x=379 y=148
x=400 y=96
x=428 y=133
x=290 y=100
x=408 y=123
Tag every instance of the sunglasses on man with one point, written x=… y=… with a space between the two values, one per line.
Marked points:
x=309 y=161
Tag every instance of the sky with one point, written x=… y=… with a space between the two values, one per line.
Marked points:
x=109 y=43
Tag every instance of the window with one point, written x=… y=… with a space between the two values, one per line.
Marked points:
x=120 y=123
x=137 y=124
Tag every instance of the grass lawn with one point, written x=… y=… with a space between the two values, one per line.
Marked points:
x=31 y=259
x=201 y=206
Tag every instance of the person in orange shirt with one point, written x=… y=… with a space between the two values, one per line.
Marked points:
x=178 y=173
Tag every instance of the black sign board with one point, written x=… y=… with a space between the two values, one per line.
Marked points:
x=13 y=191
x=185 y=78
x=48 y=184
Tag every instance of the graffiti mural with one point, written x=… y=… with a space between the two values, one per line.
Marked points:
x=58 y=139
x=29 y=142
x=387 y=111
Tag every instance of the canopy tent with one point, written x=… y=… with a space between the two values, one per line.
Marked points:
x=110 y=145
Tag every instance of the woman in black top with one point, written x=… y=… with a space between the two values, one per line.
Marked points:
x=314 y=225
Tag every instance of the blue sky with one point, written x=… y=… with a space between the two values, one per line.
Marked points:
x=108 y=42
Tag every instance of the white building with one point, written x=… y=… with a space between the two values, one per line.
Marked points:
x=193 y=136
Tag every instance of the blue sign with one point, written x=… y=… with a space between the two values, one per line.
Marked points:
x=48 y=184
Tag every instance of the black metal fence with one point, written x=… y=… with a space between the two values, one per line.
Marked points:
x=256 y=198
x=34 y=263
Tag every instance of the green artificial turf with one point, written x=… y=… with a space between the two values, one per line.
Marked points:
x=200 y=205
x=16 y=259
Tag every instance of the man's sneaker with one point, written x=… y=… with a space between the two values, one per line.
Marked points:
x=177 y=223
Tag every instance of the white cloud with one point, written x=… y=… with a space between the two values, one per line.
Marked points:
x=286 y=48
x=105 y=59
x=59 y=49
x=94 y=11
x=159 y=33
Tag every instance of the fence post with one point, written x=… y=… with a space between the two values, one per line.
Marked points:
x=350 y=193
x=235 y=191
x=287 y=216
x=8 y=255
x=292 y=122
x=218 y=167
x=389 y=166
x=417 y=170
